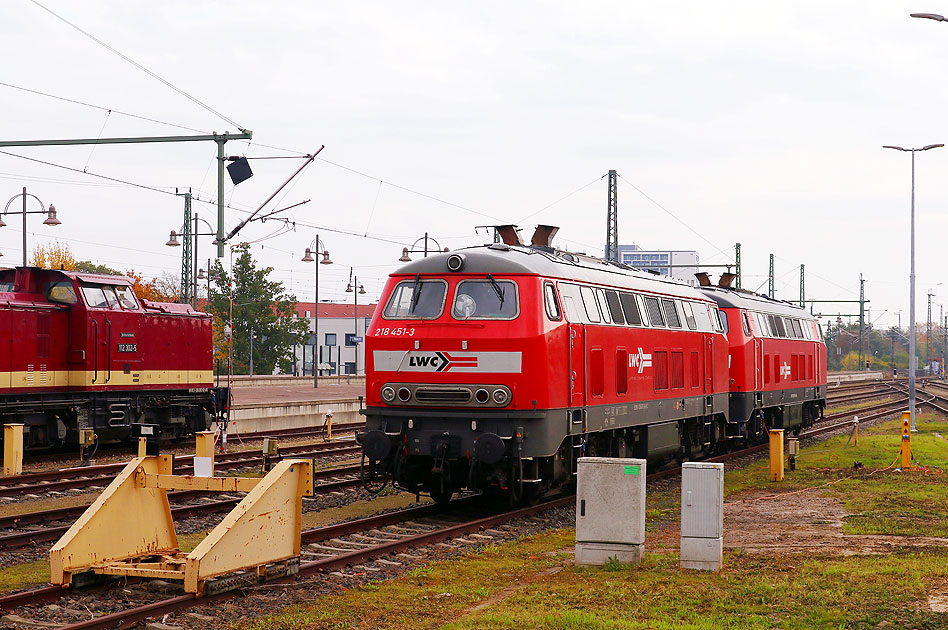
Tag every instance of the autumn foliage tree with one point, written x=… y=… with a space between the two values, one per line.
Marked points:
x=54 y=256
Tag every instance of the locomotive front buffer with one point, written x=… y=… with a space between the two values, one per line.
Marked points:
x=128 y=530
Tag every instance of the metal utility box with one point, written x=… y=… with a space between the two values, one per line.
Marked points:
x=610 y=510
x=702 y=515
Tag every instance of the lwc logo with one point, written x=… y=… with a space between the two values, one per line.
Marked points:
x=640 y=360
x=439 y=362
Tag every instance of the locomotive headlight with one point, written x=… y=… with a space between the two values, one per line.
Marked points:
x=501 y=396
x=404 y=394
x=388 y=394
x=482 y=396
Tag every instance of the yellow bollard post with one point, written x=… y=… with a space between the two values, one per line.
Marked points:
x=855 y=430
x=776 y=454
x=142 y=447
x=328 y=424
x=204 y=454
x=906 y=451
x=12 y=449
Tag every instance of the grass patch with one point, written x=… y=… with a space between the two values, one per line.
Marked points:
x=21 y=576
x=878 y=499
x=519 y=589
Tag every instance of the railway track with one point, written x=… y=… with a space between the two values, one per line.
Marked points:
x=327 y=551
x=89 y=477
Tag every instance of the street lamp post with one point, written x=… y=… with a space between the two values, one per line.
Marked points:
x=351 y=288
x=173 y=242
x=413 y=249
x=912 y=359
x=51 y=218
x=314 y=248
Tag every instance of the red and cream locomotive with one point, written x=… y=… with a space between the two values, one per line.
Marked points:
x=496 y=367
x=81 y=351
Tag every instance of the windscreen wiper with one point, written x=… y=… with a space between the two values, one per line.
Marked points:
x=415 y=293
x=497 y=289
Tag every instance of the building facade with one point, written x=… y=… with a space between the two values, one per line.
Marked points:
x=340 y=348
x=675 y=263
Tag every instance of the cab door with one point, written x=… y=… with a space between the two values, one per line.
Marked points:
x=121 y=332
x=758 y=365
x=577 y=377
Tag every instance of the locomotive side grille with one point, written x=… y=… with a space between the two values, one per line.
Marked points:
x=454 y=395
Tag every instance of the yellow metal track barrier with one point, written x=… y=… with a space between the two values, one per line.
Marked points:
x=128 y=530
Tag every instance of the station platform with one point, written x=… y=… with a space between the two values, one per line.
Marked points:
x=278 y=407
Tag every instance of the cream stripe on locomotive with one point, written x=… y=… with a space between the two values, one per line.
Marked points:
x=41 y=378
x=444 y=361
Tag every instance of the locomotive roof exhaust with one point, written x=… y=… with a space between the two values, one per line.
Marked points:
x=544 y=235
x=726 y=280
x=703 y=278
x=508 y=234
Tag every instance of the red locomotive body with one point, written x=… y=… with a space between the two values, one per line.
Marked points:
x=496 y=367
x=778 y=363
x=81 y=351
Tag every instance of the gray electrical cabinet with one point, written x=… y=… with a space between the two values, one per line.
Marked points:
x=610 y=510
x=702 y=515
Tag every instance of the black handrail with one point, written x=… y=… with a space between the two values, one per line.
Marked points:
x=95 y=351
x=108 y=342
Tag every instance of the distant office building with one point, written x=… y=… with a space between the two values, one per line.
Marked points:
x=665 y=262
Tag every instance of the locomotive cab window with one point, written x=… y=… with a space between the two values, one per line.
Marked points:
x=416 y=299
x=603 y=308
x=61 y=292
x=6 y=287
x=486 y=299
x=745 y=323
x=551 y=303
x=94 y=296
x=126 y=298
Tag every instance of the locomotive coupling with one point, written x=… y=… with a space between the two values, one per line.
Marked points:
x=489 y=448
x=376 y=445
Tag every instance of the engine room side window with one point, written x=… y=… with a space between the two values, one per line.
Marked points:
x=778 y=321
x=126 y=298
x=94 y=296
x=612 y=301
x=654 y=309
x=486 y=299
x=797 y=329
x=61 y=292
x=763 y=324
x=630 y=308
x=589 y=301
x=671 y=314
x=689 y=315
x=416 y=299
x=551 y=303
x=601 y=299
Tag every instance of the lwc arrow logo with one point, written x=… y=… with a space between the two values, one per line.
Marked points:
x=640 y=360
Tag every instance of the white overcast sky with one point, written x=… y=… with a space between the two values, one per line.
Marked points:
x=729 y=121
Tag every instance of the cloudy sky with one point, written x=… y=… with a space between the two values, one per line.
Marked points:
x=728 y=122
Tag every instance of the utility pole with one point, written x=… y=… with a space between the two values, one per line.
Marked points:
x=737 y=263
x=802 y=292
x=928 y=335
x=862 y=318
x=187 y=270
x=612 y=219
x=770 y=279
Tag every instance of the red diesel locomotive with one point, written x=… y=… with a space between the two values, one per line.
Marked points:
x=496 y=367
x=81 y=351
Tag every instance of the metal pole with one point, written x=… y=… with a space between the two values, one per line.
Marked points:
x=220 y=197
x=912 y=306
x=251 y=352
x=316 y=322
x=928 y=333
x=355 y=315
x=737 y=264
x=24 y=226
x=426 y=246
x=194 y=276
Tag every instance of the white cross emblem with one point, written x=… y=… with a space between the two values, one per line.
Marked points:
x=785 y=370
x=640 y=360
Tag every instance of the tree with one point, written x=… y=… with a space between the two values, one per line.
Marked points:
x=54 y=256
x=261 y=308
x=88 y=266
x=164 y=289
